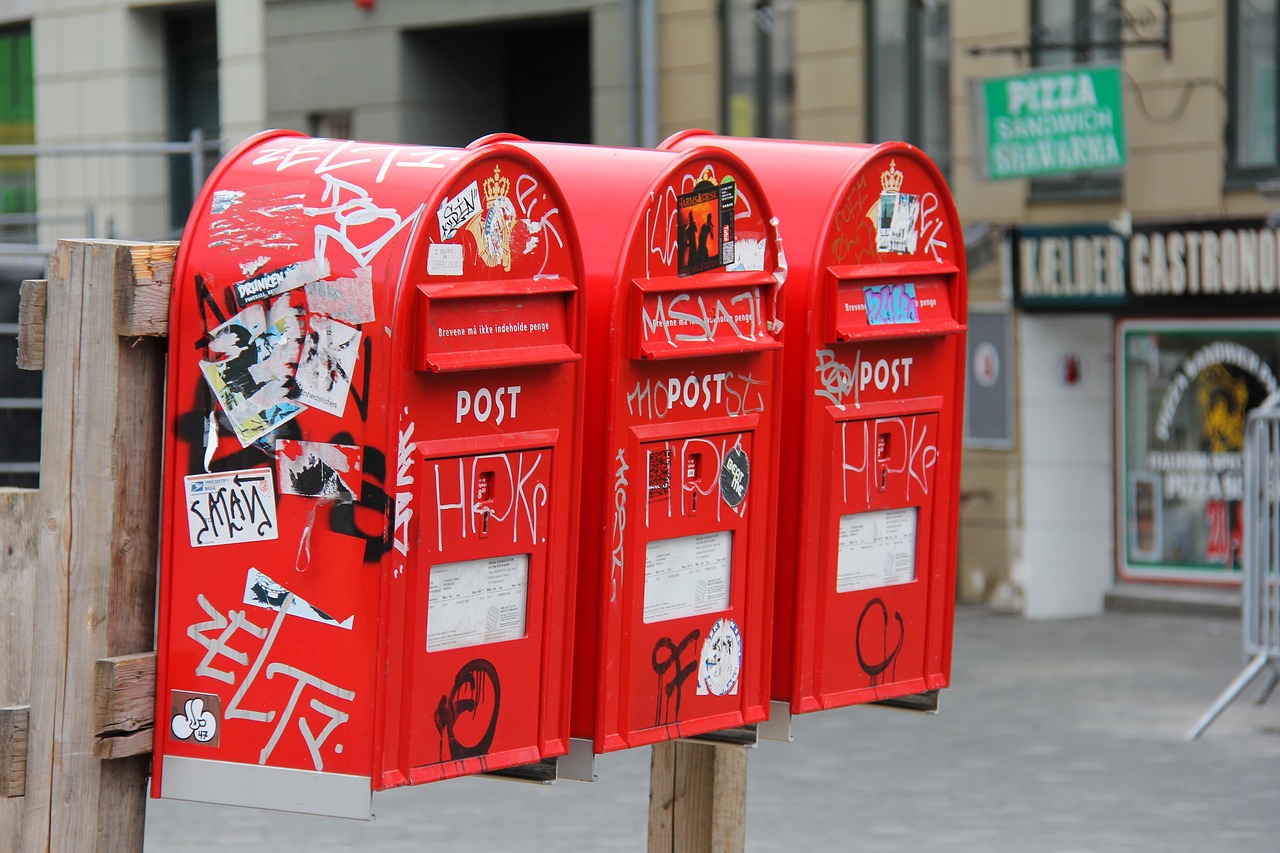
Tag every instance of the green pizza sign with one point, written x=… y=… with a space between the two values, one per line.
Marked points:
x=1053 y=122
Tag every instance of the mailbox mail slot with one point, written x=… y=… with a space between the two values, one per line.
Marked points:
x=683 y=357
x=875 y=312
x=373 y=448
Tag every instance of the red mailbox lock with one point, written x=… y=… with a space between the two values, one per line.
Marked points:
x=875 y=313
x=681 y=277
x=374 y=399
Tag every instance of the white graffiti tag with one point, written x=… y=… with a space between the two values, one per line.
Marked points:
x=352 y=208
x=228 y=625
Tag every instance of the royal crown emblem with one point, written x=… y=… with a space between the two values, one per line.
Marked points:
x=497 y=187
x=891 y=178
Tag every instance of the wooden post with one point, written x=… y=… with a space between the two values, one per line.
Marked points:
x=96 y=525
x=697 y=798
x=17 y=592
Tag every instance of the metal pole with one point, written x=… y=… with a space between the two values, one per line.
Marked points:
x=197 y=161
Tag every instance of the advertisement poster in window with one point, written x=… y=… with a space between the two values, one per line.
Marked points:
x=1186 y=391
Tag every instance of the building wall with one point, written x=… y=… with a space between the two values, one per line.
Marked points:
x=404 y=76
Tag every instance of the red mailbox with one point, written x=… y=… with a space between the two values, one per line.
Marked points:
x=875 y=313
x=374 y=400
x=680 y=263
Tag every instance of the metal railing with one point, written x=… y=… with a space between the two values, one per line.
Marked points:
x=1261 y=582
x=197 y=148
x=26 y=226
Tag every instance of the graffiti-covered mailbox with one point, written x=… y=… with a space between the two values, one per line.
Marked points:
x=683 y=358
x=370 y=494
x=874 y=310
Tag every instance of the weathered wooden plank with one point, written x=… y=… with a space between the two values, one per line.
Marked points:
x=18 y=528
x=124 y=694
x=31 y=310
x=125 y=746
x=13 y=750
x=697 y=798
x=142 y=296
x=98 y=548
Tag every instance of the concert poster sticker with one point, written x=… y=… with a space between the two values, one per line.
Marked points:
x=704 y=225
x=230 y=507
x=253 y=374
x=329 y=353
x=876 y=549
x=474 y=602
x=687 y=575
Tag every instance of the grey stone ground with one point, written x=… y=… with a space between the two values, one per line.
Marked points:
x=1055 y=736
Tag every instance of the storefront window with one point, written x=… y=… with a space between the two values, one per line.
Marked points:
x=1186 y=389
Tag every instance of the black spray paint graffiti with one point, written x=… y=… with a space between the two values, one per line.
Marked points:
x=666 y=655
x=876 y=669
x=468 y=716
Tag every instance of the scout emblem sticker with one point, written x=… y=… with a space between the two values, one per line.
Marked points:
x=195 y=717
x=735 y=475
x=721 y=659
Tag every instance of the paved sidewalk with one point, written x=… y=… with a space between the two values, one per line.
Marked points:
x=1055 y=736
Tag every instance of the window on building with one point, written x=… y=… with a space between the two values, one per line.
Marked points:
x=1253 y=149
x=908 y=75
x=758 y=67
x=17 y=127
x=1075 y=32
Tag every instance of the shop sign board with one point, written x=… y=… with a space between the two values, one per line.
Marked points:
x=1052 y=122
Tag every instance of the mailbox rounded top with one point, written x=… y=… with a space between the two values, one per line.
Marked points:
x=843 y=204
x=659 y=204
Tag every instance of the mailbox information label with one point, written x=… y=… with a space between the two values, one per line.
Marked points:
x=233 y=506
x=876 y=549
x=475 y=602
x=687 y=576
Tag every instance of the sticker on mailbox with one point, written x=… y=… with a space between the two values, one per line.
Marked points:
x=735 y=475
x=891 y=304
x=721 y=659
x=231 y=506
x=195 y=717
x=705 y=224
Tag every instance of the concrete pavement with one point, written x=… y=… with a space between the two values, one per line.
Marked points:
x=1054 y=736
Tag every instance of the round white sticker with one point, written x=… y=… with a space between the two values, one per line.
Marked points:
x=721 y=659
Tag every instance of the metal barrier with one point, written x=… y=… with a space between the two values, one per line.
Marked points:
x=1261 y=583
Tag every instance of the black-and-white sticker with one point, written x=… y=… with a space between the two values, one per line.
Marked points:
x=735 y=475
x=231 y=506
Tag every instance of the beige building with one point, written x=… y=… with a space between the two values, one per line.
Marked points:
x=1065 y=490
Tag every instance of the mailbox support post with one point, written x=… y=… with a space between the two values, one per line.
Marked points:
x=697 y=798
x=94 y=527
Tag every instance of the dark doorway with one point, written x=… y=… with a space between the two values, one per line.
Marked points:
x=530 y=77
